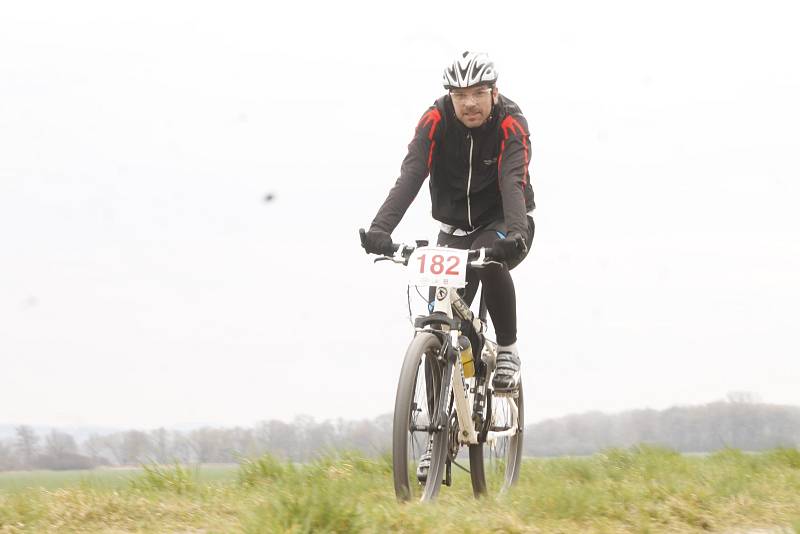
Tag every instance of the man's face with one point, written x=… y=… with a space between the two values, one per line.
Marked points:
x=473 y=104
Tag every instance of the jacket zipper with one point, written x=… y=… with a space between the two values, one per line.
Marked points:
x=469 y=181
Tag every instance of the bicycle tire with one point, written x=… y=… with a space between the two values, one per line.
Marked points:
x=416 y=403
x=507 y=450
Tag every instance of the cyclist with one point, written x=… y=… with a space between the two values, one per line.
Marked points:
x=474 y=143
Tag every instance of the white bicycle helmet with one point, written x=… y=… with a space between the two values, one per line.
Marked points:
x=470 y=68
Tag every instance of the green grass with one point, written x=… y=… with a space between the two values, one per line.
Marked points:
x=104 y=478
x=639 y=490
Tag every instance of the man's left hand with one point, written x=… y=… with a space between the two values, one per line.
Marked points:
x=511 y=248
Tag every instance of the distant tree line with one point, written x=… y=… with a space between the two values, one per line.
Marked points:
x=735 y=424
x=738 y=423
x=296 y=441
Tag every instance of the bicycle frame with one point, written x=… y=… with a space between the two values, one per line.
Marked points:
x=447 y=301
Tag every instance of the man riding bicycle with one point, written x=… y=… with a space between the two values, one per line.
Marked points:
x=474 y=143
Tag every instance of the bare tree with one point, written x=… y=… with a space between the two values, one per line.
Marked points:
x=7 y=457
x=279 y=438
x=135 y=447
x=159 y=441
x=743 y=397
x=113 y=444
x=58 y=444
x=96 y=447
x=208 y=444
x=242 y=442
x=26 y=444
x=181 y=449
x=61 y=452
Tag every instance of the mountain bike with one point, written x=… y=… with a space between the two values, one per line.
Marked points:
x=445 y=400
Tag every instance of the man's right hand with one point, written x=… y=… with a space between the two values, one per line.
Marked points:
x=377 y=242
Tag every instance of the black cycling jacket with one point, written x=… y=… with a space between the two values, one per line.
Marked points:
x=466 y=192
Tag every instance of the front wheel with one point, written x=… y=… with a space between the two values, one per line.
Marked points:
x=494 y=466
x=424 y=378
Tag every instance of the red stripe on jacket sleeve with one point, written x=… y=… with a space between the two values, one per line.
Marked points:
x=512 y=126
x=430 y=119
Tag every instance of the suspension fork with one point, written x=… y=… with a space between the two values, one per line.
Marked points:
x=449 y=355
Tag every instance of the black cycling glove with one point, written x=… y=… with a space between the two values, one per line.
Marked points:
x=377 y=242
x=511 y=249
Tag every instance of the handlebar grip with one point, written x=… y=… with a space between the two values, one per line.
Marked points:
x=362 y=234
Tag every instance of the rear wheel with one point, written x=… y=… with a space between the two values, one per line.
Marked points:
x=494 y=466
x=424 y=378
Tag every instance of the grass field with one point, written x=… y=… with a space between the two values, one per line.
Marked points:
x=639 y=490
x=106 y=478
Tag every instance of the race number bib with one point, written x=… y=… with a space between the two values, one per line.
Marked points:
x=438 y=266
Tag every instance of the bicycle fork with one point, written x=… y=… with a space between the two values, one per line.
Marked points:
x=442 y=416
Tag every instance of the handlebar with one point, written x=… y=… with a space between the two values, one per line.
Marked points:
x=401 y=253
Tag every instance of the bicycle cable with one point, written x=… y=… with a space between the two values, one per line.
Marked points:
x=408 y=301
x=423 y=297
x=459 y=466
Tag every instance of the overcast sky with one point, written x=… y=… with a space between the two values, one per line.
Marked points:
x=144 y=280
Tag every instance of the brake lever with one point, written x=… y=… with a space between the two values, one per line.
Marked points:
x=482 y=262
x=485 y=264
x=391 y=259
x=397 y=257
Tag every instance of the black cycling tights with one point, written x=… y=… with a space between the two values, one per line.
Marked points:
x=501 y=299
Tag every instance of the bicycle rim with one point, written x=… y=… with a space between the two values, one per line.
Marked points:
x=418 y=390
x=441 y=439
x=495 y=465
